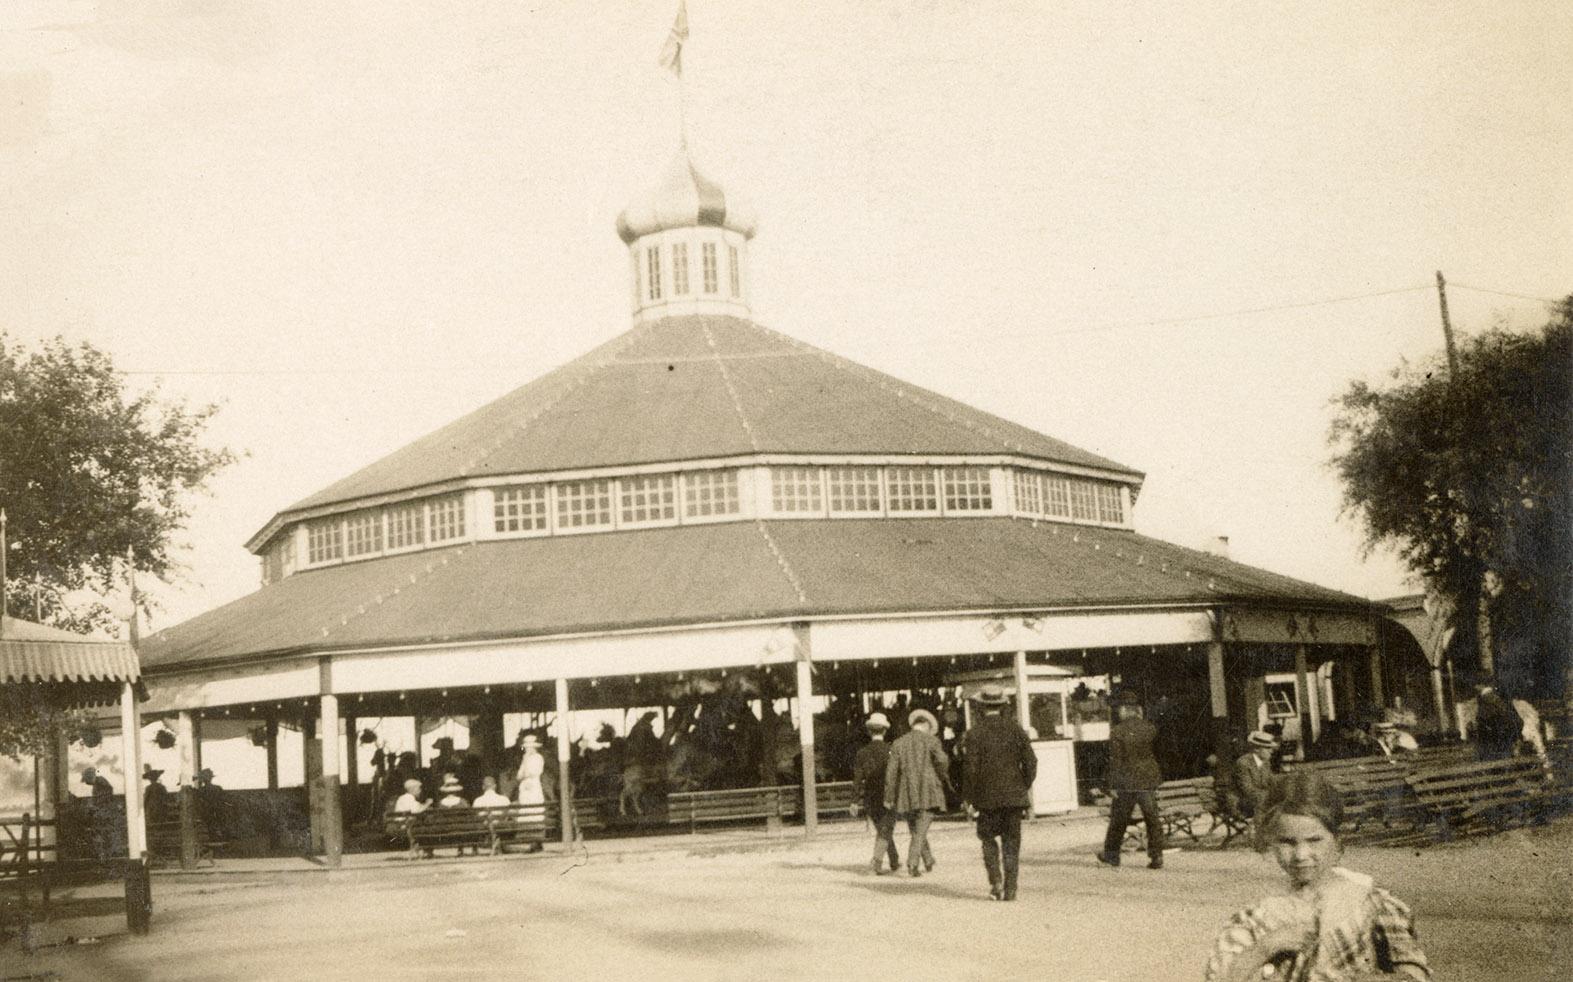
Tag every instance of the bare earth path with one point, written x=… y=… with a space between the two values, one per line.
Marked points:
x=1498 y=909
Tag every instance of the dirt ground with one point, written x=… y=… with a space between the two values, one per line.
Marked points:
x=1493 y=909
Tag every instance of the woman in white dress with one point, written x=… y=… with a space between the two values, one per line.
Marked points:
x=531 y=766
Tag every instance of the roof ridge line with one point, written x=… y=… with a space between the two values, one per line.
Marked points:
x=608 y=356
x=902 y=389
x=731 y=389
x=412 y=580
x=781 y=561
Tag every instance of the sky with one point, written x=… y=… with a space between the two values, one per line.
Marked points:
x=1131 y=226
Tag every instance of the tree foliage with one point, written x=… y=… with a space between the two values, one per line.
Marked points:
x=90 y=474
x=1473 y=473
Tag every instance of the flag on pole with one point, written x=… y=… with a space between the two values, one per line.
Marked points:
x=672 y=51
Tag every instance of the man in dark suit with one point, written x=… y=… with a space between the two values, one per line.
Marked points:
x=1133 y=780
x=1253 y=773
x=997 y=771
x=1497 y=727
x=868 y=778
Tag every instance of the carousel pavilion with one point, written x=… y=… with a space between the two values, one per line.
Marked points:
x=702 y=495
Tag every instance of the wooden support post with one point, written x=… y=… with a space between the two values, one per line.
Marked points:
x=1023 y=699
x=564 y=782
x=805 y=725
x=311 y=779
x=1219 y=692
x=131 y=754
x=1378 y=699
x=329 y=812
x=351 y=751
x=272 y=730
x=1302 y=699
x=186 y=737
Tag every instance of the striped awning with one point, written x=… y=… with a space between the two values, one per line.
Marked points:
x=34 y=653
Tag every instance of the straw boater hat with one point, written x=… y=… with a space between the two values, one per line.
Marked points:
x=531 y=740
x=877 y=721
x=1262 y=739
x=922 y=716
x=451 y=785
x=1385 y=726
x=991 y=695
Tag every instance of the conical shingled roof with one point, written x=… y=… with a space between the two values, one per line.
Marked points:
x=697 y=387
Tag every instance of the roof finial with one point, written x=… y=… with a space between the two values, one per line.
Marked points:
x=672 y=60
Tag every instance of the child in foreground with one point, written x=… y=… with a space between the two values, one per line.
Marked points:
x=1335 y=925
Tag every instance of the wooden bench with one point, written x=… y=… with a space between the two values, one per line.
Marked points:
x=164 y=842
x=695 y=808
x=1482 y=795
x=436 y=828
x=1181 y=804
x=831 y=798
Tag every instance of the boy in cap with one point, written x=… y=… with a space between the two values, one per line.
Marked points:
x=868 y=777
x=998 y=767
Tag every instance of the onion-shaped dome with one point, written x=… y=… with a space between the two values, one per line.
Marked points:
x=684 y=198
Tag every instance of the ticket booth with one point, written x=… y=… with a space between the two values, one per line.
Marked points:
x=1049 y=712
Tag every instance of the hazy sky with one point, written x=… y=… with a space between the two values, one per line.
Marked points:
x=352 y=222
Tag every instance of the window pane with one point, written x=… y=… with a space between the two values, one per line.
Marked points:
x=854 y=489
x=1110 y=507
x=967 y=489
x=731 y=256
x=1058 y=499
x=447 y=518
x=521 y=509
x=912 y=489
x=795 y=489
x=323 y=541
x=363 y=533
x=710 y=493
x=406 y=525
x=1029 y=493
x=584 y=504
x=653 y=259
x=680 y=268
x=707 y=254
x=1083 y=504
x=651 y=498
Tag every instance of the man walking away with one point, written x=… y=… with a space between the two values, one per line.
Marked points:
x=1133 y=780
x=1497 y=726
x=997 y=771
x=915 y=781
x=868 y=777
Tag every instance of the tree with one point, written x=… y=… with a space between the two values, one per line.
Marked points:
x=1470 y=476
x=91 y=477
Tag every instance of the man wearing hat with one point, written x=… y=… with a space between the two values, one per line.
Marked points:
x=997 y=771
x=868 y=777
x=915 y=781
x=1133 y=780
x=1253 y=773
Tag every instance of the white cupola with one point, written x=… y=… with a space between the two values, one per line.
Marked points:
x=688 y=244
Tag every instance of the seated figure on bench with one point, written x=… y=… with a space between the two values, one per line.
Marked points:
x=1253 y=774
x=489 y=796
x=412 y=801
x=452 y=792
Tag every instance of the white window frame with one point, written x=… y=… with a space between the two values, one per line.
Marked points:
x=958 y=486
x=390 y=519
x=855 y=473
x=699 y=489
x=636 y=492
x=433 y=505
x=653 y=275
x=679 y=269
x=570 y=495
x=734 y=273
x=337 y=555
x=1027 y=486
x=707 y=262
x=810 y=480
x=1105 y=495
x=892 y=478
x=1056 y=486
x=363 y=520
x=511 y=505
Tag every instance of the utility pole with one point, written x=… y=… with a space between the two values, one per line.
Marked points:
x=1447 y=326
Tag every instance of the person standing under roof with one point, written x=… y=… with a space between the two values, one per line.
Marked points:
x=1133 y=780
x=868 y=780
x=915 y=781
x=998 y=767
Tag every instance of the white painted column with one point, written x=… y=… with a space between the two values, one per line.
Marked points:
x=131 y=754
x=186 y=739
x=564 y=782
x=329 y=727
x=1219 y=692
x=1023 y=700
x=1302 y=698
x=805 y=725
x=1378 y=699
